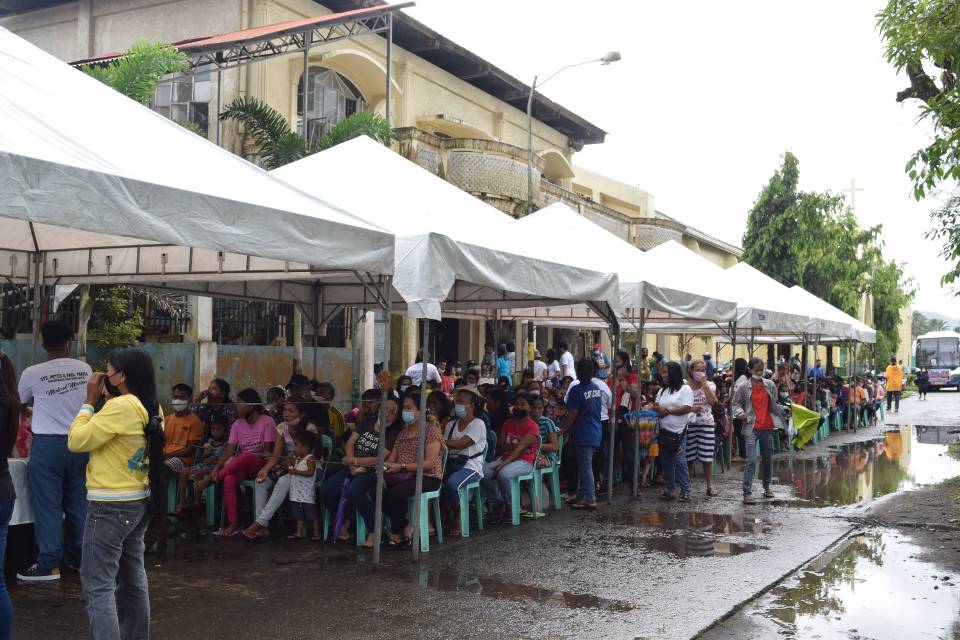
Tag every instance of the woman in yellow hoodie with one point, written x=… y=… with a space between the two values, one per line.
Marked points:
x=125 y=442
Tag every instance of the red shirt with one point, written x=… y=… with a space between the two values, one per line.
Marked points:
x=514 y=431
x=632 y=379
x=761 y=408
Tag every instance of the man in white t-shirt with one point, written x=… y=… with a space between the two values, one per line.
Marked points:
x=58 y=388
x=539 y=367
x=415 y=372
x=567 y=365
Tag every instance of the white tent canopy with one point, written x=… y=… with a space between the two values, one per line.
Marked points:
x=835 y=323
x=453 y=250
x=646 y=285
x=106 y=190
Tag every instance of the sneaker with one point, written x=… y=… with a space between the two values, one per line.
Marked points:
x=34 y=574
x=748 y=499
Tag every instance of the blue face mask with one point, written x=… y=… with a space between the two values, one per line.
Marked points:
x=460 y=410
x=408 y=416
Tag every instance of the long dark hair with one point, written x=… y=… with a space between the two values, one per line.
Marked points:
x=224 y=389
x=739 y=369
x=252 y=398
x=674 y=376
x=9 y=404
x=137 y=367
x=625 y=359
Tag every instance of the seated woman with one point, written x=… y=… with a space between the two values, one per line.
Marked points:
x=272 y=481
x=402 y=464
x=466 y=438
x=517 y=452
x=252 y=434
x=438 y=407
x=549 y=436
x=361 y=449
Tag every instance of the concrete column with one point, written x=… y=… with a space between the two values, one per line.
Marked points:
x=519 y=344
x=297 y=341
x=200 y=332
x=368 y=343
x=85 y=29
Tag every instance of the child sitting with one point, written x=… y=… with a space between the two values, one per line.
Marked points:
x=303 y=497
x=207 y=460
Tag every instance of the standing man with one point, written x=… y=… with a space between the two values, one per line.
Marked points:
x=566 y=361
x=539 y=367
x=894 y=375
x=816 y=371
x=489 y=357
x=58 y=477
x=602 y=361
x=711 y=368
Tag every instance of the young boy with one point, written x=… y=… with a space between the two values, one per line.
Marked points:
x=200 y=472
x=182 y=430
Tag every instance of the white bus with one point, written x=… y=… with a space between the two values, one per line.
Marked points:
x=939 y=353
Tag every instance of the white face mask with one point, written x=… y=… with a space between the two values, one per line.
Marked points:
x=178 y=404
x=756 y=377
x=270 y=407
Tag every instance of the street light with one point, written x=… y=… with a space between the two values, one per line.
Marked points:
x=608 y=58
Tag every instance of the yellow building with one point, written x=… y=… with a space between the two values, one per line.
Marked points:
x=457 y=114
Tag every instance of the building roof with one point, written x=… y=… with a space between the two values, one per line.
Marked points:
x=419 y=39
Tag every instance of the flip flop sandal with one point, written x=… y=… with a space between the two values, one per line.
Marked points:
x=584 y=505
x=294 y=536
x=712 y=493
x=316 y=538
x=221 y=534
x=683 y=498
x=404 y=544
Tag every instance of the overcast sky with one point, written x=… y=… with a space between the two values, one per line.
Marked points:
x=710 y=94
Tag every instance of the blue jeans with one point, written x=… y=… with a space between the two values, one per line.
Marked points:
x=765 y=436
x=586 y=485
x=6 y=610
x=675 y=467
x=457 y=479
x=499 y=488
x=58 y=493
x=358 y=492
x=115 y=591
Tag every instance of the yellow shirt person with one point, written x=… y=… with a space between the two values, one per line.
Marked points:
x=894 y=375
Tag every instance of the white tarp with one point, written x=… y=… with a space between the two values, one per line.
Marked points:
x=645 y=283
x=836 y=323
x=109 y=190
x=453 y=250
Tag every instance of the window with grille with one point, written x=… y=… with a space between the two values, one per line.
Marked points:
x=330 y=98
x=185 y=98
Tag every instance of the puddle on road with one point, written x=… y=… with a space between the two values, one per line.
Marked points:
x=872 y=587
x=692 y=545
x=688 y=521
x=859 y=472
x=491 y=587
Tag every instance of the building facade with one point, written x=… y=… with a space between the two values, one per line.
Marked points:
x=457 y=116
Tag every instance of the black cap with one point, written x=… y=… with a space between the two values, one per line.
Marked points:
x=298 y=380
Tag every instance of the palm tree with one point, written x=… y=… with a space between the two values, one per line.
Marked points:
x=137 y=72
x=278 y=144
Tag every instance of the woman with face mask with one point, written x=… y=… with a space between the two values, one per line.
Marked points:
x=402 y=467
x=517 y=452
x=466 y=439
x=755 y=403
x=701 y=433
x=674 y=404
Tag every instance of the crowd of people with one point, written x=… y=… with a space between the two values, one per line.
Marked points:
x=99 y=447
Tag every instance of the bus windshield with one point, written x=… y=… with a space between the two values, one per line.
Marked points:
x=941 y=353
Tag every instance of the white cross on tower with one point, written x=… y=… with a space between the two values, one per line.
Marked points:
x=853 y=193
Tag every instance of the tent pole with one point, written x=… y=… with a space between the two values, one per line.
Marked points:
x=316 y=330
x=217 y=119
x=381 y=440
x=816 y=345
x=636 y=434
x=733 y=383
x=421 y=436
x=611 y=446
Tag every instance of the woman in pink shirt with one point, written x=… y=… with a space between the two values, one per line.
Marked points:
x=252 y=434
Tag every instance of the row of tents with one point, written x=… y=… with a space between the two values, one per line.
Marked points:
x=95 y=188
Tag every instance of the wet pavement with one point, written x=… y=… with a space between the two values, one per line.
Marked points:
x=637 y=569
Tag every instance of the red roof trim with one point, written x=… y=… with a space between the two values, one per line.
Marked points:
x=254 y=34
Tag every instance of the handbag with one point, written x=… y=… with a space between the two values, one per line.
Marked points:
x=397 y=477
x=670 y=440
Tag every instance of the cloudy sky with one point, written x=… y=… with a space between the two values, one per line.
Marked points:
x=710 y=94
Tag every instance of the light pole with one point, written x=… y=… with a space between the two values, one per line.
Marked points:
x=609 y=58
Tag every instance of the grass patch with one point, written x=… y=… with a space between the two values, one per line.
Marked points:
x=954 y=450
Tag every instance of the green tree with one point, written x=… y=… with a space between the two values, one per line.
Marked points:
x=922 y=39
x=117 y=324
x=813 y=240
x=276 y=143
x=137 y=72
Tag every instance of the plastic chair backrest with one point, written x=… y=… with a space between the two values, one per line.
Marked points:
x=559 y=449
x=491 y=446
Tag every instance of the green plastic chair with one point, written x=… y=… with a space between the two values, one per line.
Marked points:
x=534 y=490
x=554 y=472
x=428 y=498
x=464 y=497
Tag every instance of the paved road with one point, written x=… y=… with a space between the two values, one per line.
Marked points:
x=638 y=569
